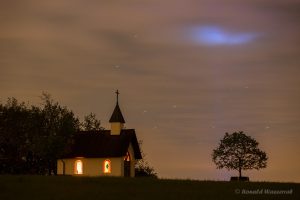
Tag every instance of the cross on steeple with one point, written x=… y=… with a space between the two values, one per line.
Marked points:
x=117 y=114
x=117 y=92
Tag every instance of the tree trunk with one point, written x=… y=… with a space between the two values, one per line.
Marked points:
x=240 y=168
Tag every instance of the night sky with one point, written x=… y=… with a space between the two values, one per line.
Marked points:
x=187 y=71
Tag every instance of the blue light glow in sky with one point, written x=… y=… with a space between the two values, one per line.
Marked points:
x=214 y=35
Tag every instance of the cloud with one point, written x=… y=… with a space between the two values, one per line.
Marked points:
x=214 y=35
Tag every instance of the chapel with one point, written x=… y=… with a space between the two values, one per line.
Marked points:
x=111 y=152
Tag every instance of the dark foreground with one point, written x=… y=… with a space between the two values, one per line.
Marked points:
x=88 y=188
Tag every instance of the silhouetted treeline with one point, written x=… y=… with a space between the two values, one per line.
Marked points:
x=32 y=138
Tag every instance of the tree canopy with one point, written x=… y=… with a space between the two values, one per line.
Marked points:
x=91 y=123
x=32 y=138
x=237 y=151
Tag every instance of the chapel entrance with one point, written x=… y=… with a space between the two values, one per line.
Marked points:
x=127 y=161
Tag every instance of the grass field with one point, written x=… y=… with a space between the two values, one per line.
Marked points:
x=88 y=188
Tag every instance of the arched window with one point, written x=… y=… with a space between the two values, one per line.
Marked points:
x=78 y=167
x=107 y=167
x=127 y=165
x=127 y=157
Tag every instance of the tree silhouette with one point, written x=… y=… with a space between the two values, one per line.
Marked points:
x=237 y=151
x=142 y=167
x=32 y=138
x=59 y=124
x=91 y=123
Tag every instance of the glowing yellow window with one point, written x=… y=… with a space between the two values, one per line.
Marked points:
x=78 y=167
x=107 y=167
x=127 y=157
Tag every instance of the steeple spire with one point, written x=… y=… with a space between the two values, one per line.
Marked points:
x=117 y=114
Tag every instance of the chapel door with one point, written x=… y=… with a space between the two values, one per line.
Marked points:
x=127 y=162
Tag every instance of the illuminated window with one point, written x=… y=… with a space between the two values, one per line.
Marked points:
x=107 y=167
x=78 y=167
x=127 y=157
x=127 y=165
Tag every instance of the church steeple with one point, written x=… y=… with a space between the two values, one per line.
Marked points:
x=117 y=120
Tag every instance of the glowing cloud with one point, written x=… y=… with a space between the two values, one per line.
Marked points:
x=214 y=35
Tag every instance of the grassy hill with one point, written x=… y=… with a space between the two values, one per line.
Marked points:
x=88 y=188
